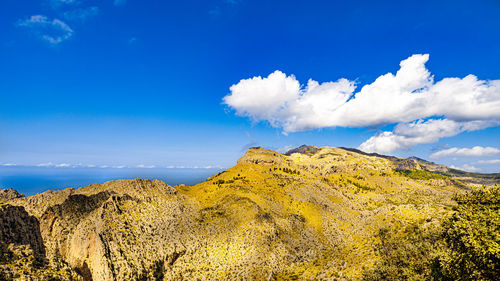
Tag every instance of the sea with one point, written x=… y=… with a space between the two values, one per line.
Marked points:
x=33 y=180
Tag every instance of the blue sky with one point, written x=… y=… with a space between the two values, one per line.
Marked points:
x=128 y=83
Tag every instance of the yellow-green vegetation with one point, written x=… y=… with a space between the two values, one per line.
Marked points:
x=338 y=196
x=420 y=174
x=465 y=246
x=472 y=236
x=312 y=214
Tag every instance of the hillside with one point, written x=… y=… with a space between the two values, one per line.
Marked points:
x=310 y=214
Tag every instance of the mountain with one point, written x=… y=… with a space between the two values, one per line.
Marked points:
x=310 y=214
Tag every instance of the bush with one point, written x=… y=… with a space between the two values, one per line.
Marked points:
x=473 y=237
x=408 y=254
x=465 y=248
x=420 y=174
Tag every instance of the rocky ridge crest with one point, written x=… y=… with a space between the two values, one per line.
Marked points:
x=307 y=214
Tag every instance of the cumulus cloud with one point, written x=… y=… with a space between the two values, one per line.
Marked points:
x=466 y=167
x=488 y=162
x=476 y=151
x=53 y=31
x=407 y=135
x=410 y=98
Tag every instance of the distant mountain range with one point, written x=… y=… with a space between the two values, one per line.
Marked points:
x=309 y=214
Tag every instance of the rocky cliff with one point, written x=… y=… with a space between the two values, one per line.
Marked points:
x=310 y=214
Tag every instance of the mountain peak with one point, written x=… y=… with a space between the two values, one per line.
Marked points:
x=261 y=216
x=259 y=155
x=303 y=149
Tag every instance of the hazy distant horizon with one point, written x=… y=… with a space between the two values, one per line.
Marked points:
x=33 y=180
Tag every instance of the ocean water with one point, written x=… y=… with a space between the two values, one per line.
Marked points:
x=32 y=180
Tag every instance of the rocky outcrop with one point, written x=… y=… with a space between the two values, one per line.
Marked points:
x=310 y=215
x=9 y=194
x=120 y=230
x=22 y=251
x=408 y=164
x=18 y=228
x=262 y=156
x=303 y=149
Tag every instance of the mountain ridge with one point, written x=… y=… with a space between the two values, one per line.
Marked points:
x=309 y=215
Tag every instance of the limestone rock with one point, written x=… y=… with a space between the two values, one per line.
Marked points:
x=9 y=194
x=310 y=214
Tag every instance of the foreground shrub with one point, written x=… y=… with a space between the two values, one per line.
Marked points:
x=465 y=247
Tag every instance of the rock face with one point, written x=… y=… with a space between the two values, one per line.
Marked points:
x=310 y=215
x=8 y=194
x=303 y=149
x=22 y=251
x=17 y=227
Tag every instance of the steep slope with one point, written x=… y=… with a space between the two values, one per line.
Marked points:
x=311 y=214
x=116 y=231
x=324 y=204
x=22 y=251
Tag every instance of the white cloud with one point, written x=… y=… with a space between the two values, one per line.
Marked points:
x=488 y=162
x=61 y=165
x=8 y=165
x=476 y=151
x=263 y=98
x=81 y=14
x=212 y=167
x=53 y=31
x=145 y=166
x=407 y=98
x=466 y=167
x=407 y=135
x=48 y=164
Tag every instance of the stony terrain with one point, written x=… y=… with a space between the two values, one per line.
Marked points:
x=310 y=214
x=9 y=194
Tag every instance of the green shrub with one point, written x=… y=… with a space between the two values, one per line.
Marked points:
x=465 y=248
x=420 y=174
x=407 y=254
x=473 y=237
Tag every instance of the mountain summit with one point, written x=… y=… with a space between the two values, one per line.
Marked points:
x=312 y=213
